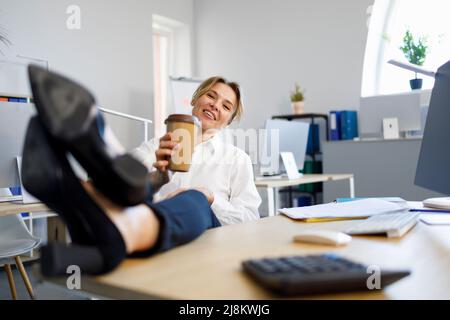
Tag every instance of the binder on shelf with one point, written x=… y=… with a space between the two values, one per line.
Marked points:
x=335 y=125
x=349 y=125
x=302 y=201
x=313 y=145
x=308 y=168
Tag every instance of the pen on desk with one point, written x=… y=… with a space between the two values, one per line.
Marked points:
x=429 y=210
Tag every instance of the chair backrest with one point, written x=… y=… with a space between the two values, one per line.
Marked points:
x=13 y=227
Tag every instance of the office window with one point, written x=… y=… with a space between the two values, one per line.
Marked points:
x=389 y=21
x=171 y=57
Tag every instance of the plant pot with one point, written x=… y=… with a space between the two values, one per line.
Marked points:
x=298 y=107
x=415 y=84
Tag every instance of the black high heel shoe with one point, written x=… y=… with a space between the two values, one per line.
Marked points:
x=68 y=113
x=98 y=246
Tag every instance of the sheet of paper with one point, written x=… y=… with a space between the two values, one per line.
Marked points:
x=353 y=209
x=435 y=219
x=415 y=204
x=397 y=200
x=290 y=165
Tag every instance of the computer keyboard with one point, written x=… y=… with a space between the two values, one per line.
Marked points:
x=393 y=225
x=299 y=275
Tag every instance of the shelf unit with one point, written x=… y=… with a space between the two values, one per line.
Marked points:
x=312 y=117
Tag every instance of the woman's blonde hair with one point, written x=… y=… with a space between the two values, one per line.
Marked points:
x=206 y=85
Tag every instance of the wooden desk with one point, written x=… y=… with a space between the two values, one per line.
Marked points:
x=272 y=185
x=210 y=266
x=9 y=208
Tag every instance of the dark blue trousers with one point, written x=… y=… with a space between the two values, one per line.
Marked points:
x=182 y=219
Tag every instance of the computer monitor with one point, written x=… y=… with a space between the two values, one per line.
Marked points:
x=14 y=117
x=292 y=137
x=433 y=168
x=406 y=107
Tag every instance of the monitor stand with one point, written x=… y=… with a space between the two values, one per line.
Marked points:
x=438 y=203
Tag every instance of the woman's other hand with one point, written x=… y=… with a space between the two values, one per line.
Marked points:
x=165 y=151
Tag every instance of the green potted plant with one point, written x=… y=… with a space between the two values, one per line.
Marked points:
x=298 y=100
x=415 y=53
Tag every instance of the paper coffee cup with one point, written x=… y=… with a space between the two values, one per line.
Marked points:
x=185 y=129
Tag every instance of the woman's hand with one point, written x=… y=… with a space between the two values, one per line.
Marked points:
x=208 y=193
x=166 y=149
x=158 y=179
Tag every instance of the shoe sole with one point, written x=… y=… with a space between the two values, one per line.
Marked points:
x=68 y=112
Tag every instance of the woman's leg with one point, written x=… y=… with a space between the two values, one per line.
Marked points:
x=157 y=227
x=182 y=218
x=102 y=232
x=138 y=225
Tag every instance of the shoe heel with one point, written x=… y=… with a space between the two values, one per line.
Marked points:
x=134 y=177
x=57 y=257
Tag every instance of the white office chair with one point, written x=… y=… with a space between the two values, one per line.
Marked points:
x=15 y=240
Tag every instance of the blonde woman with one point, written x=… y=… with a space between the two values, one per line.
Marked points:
x=220 y=170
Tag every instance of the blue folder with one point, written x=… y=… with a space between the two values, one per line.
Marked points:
x=349 y=125
x=313 y=148
x=335 y=125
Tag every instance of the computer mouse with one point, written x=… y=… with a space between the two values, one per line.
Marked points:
x=326 y=237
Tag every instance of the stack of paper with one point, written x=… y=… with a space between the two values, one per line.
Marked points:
x=346 y=210
x=397 y=200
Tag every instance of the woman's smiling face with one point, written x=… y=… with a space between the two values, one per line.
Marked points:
x=216 y=107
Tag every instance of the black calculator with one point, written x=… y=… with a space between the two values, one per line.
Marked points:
x=314 y=274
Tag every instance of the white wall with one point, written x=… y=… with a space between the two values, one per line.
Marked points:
x=111 y=54
x=268 y=45
x=265 y=45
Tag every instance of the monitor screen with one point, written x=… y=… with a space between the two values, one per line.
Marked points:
x=14 y=117
x=433 y=168
x=14 y=77
x=285 y=136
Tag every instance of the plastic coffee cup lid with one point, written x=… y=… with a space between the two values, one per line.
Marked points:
x=183 y=118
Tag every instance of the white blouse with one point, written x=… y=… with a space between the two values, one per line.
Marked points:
x=222 y=168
